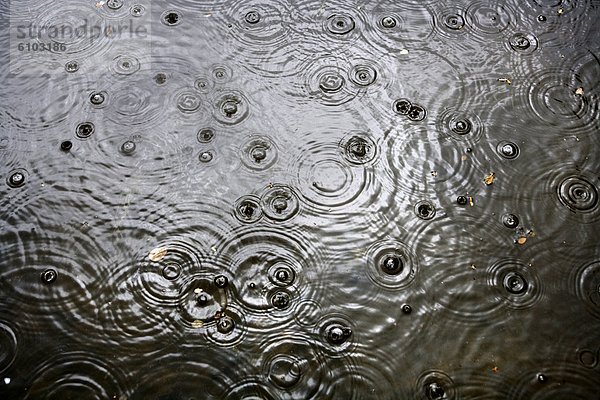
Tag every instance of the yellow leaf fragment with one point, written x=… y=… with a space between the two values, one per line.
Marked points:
x=489 y=178
x=522 y=239
x=157 y=254
x=197 y=324
x=505 y=80
x=471 y=203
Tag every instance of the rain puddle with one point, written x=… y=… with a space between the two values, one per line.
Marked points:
x=299 y=199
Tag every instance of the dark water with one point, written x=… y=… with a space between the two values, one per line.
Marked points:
x=300 y=200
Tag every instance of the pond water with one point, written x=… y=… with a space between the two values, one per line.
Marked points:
x=300 y=199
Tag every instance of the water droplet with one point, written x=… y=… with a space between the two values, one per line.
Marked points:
x=285 y=371
x=519 y=42
x=280 y=300
x=205 y=135
x=339 y=24
x=160 y=78
x=462 y=200
x=425 y=210
x=229 y=107
x=188 y=102
x=16 y=179
x=416 y=113
x=85 y=130
x=49 y=276
x=252 y=17
x=338 y=334
x=331 y=82
x=515 y=283
x=221 y=281
x=72 y=66
x=203 y=299
x=406 y=308
x=137 y=10
x=510 y=221
x=392 y=265
x=206 y=156
x=7 y=380
x=462 y=126
x=171 y=18
x=247 y=209
x=363 y=75
x=171 y=271
x=542 y=378
x=114 y=4
x=97 y=98
x=541 y=18
x=508 y=150
x=402 y=106
x=434 y=391
x=388 y=22
x=359 y=148
x=454 y=21
x=225 y=325
x=125 y=65
x=67 y=145
x=128 y=147
x=280 y=203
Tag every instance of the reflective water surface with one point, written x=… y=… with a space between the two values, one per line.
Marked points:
x=300 y=199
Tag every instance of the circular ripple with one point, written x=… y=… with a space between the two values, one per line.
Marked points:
x=578 y=194
x=585 y=284
x=522 y=43
x=221 y=73
x=247 y=209
x=451 y=22
x=566 y=381
x=460 y=125
x=391 y=264
x=324 y=176
x=337 y=336
x=324 y=79
x=257 y=255
x=294 y=366
x=71 y=18
x=229 y=329
x=359 y=148
x=362 y=74
x=339 y=24
x=125 y=65
x=279 y=202
x=230 y=107
x=195 y=373
x=517 y=284
x=201 y=302
x=435 y=385
x=259 y=37
x=259 y=152
x=552 y=98
x=575 y=194
x=76 y=375
x=134 y=103
x=8 y=346
x=490 y=18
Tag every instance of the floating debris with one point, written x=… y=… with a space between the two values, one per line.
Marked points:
x=579 y=91
x=157 y=254
x=489 y=178
x=505 y=80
